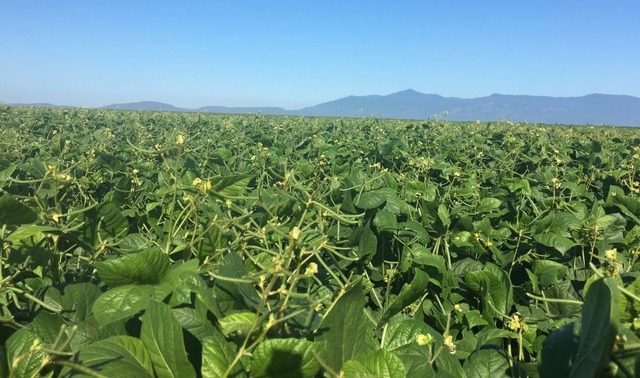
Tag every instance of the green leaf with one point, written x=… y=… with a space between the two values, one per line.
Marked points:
x=385 y=220
x=343 y=331
x=443 y=214
x=407 y=296
x=102 y=222
x=599 y=327
x=47 y=326
x=14 y=212
x=234 y=293
x=629 y=307
x=368 y=244
x=374 y=198
x=491 y=289
x=489 y=204
x=114 y=357
x=217 y=356
x=18 y=351
x=162 y=336
x=240 y=323
x=559 y=351
x=125 y=301
x=488 y=362
x=147 y=267
x=230 y=186
x=284 y=358
x=5 y=174
x=379 y=363
x=548 y=272
x=405 y=332
x=561 y=243
x=76 y=301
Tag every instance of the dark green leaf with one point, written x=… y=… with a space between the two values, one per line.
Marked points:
x=599 y=327
x=22 y=361
x=488 y=362
x=125 y=301
x=407 y=296
x=217 y=356
x=284 y=358
x=379 y=363
x=14 y=212
x=162 y=336
x=114 y=357
x=343 y=330
x=147 y=267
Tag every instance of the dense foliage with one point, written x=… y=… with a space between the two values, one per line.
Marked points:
x=180 y=245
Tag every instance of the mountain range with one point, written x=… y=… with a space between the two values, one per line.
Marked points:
x=594 y=109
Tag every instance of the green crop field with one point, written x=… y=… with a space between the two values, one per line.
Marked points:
x=143 y=244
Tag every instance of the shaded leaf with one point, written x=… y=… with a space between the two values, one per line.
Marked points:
x=162 y=336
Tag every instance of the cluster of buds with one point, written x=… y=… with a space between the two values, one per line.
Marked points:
x=201 y=185
x=53 y=170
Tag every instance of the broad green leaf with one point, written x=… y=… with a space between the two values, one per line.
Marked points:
x=415 y=359
x=406 y=331
x=473 y=318
x=561 y=243
x=30 y=235
x=102 y=222
x=447 y=363
x=162 y=336
x=378 y=363
x=489 y=362
x=147 y=267
x=134 y=243
x=195 y=320
x=21 y=360
x=489 y=204
x=443 y=214
x=284 y=358
x=76 y=301
x=14 y=212
x=629 y=307
x=491 y=289
x=549 y=272
x=599 y=327
x=240 y=323
x=559 y=351
x=217 y=356
x=343 y=331
x=374 y=198
x=47 y=327
x=230 y=186
x=385 y=220
x=114 y=357
x=234 y=293
x=368 y=243
x=5 y=174
x=125 y=301
x=407 y=296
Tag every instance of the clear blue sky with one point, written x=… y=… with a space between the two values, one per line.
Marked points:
x=300 y=53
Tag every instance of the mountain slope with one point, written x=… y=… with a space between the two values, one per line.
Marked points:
x=590 y=109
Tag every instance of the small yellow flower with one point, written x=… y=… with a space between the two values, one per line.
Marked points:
x=456 y=173
x=611 y=254
x=135 y=171
x=457 y=307
x=311 y=270
x=295 y=233
x=448 y=342
x=424 y=339
x=179 y=139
